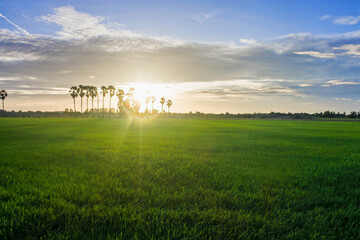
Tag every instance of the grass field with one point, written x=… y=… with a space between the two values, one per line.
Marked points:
x=179 y=179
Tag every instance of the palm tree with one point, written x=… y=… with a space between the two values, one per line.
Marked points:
x=153 y=99
x=127 y=104
x=104 y=92
x=168 y=104
x=97 y=96
x=93 y=93
x=130 y=98
x=87 y=89
x=162 y=101
x=120 y=94
x=81 y=94
x=3 y=95
x=74 y=92
x=112 y=91
x=147 y=100
x=137 y=106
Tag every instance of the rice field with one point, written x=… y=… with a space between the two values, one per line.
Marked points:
x=179 y=179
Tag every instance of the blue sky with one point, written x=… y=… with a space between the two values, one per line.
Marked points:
x=225 y=21
x=268 y=55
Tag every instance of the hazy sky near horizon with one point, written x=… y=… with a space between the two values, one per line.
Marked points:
x=209 y=56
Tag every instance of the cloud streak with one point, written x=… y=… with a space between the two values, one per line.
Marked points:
x=341 y=82
x=317 y=54
x=344 y=20
x=347 y=20
x=23 y=31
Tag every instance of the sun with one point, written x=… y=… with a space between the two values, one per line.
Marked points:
x=145 y=90
x=142 y=91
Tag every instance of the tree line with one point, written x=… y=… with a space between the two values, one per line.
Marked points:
x=126 y=101
x=127 y=104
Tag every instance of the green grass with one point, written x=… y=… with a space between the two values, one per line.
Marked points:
x=179 y=179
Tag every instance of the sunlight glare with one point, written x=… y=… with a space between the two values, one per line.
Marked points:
x=144 y=90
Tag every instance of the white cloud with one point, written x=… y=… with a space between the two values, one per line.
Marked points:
x=337 y=82
x=64 y=72
x=92 y=76
x=239 y=87
x=76 y=24
x=317 y=54
x=102 y=35
x=347 y=20
x=347 y=49
x=350 y=49
x=248 y=41
x=324 y=17
x=14 y=56
x=305 y=85
x=48 y=91
x=9 y=78
x=202 y=17
x=343 y=99
x=24 y=86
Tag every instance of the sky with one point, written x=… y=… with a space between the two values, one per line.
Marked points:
x=209 y=56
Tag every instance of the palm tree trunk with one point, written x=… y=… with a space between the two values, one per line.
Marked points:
x=110 y=107
x=119 y=109
x=74 y=107
x=92 y=104
x=3 y=107
x=87 y=104
x=81 y=107
x=98 y=110
x=162 y=108
x=121 y=104
x=103 y=106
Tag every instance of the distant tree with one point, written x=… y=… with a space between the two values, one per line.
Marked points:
x=120 y=94
x=104 y=92
x=168 y=104
x=153 y=99
x=129 y=100
x=147 y=100
x=137 y=106
x=352 y=114
x=112 y=90
x=130 y=97
x=3 y=95
x=127 y=104
x=81 y=94
x=162 y=101
x=74 y=92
